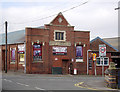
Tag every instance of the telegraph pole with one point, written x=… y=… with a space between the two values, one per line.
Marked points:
x=6 y=46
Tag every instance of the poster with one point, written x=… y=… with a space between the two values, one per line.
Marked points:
x=79 y=51
x=21 y=57
x=37 y=52
x=59 y=50
x=13 y=54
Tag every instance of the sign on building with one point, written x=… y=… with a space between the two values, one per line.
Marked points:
x=21 y=48
x=59 y=50
x=102 y=50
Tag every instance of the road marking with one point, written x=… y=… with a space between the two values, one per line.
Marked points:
x=8 y=80
x=78 y=85
x=39 y=88
x=22 y=84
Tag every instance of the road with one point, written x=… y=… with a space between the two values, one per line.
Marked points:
x=52 y=82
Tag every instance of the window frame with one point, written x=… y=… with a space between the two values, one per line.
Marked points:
x=103 y=61
x=59 y=31
x=40 y=52
x=13 y=60
x=79 y=58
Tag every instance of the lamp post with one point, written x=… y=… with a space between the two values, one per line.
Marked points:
x=6 y=46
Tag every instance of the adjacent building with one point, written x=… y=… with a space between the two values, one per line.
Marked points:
x=101 y=63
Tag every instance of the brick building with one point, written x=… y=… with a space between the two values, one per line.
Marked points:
x=112 y=55
x=55 y=48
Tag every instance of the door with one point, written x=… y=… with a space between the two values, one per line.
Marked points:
x=71 y=68
x=65 y=66
x=3 y=60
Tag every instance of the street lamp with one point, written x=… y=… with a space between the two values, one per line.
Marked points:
x=6 y=46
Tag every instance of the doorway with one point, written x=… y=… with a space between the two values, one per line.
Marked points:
x=65 y=69
x=3 y=60
x=117 y=62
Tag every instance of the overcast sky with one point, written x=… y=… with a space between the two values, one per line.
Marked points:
x=96 y=16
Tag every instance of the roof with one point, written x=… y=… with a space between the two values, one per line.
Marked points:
x=113 y=41
x=104 y=42
x=13 y=37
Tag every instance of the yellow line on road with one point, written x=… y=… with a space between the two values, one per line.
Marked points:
x=80 y=85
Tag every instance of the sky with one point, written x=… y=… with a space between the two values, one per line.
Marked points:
x=97 y=16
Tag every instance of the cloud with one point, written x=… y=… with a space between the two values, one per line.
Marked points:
x=98 y=17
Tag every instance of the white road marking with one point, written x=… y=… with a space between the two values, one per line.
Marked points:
x=22 y=84
x=8 y=80
x=39 y=88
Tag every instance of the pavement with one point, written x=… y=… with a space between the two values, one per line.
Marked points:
x=71 y=82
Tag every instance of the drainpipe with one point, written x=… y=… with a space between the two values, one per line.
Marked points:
x=25 y=57
x=88 y=59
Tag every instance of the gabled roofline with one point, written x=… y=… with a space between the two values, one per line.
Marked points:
x=104 y=42
x=60 y=13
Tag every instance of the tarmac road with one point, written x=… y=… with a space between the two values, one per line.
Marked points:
x=16 y=81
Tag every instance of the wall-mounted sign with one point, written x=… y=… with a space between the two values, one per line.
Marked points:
x=59 y=43
x=21 y=49
x=59 y=50
x=56 y=58
x=102 y=50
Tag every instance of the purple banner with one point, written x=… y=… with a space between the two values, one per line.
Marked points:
x=79 y=51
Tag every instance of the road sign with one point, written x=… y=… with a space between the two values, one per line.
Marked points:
x=94 y=57
x=102 y=50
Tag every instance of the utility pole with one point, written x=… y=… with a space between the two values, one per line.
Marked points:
x=6 y=47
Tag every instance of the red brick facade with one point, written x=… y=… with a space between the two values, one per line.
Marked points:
x=14 y=66
x=94 y=47
x=46 y=38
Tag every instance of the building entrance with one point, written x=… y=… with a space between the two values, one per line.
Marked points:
x=65 y=64
x=3 y=60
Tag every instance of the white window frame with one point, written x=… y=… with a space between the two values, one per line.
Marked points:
x=64 y=36
x=103 y=61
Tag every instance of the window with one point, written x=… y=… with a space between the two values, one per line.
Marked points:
x=104 y=61
x=13 y=55
x=79 y=51
x=37 y=52
x=59 y=35
x=21 y=51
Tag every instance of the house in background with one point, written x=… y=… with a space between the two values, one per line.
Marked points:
x=112 y=55
x=55 y=48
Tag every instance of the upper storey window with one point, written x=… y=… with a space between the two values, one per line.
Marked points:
x=59 y=35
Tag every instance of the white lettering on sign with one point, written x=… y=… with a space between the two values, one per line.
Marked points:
x=59 y=50
x=21 y=47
